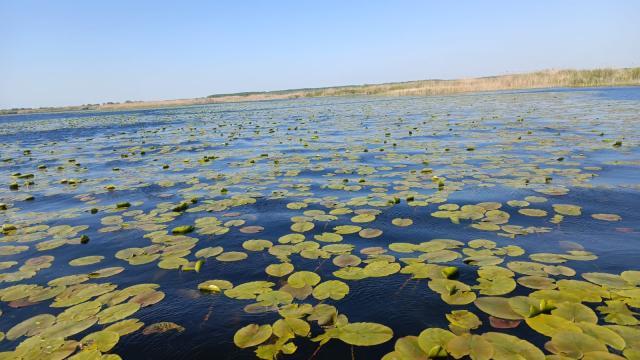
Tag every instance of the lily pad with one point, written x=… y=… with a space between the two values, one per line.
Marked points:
x=365 y=334
x=252 y=335
x=333 y=289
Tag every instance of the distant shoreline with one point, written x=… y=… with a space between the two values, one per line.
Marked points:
x=525 y=81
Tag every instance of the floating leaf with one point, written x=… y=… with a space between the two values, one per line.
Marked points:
x=215 y=285
x=474 y=346
x=507 y=347
x=566 y=209
x=302 y=226
x=575 y=312
x=333 y=289
x=549 y=325
x=32 y=326
x=606 y=217
x=279 y=270
x=86 y=260
x=433 y=341
x=370 y=233
x=364 y=334
x=257 y=244
x=464 y=319
x=103 y=340
x=537 y=282
x=575 y=344
x=252 y=335
x=125 y=327
x=117 y=312
x=363 y=218
x=300 y=279
x=498 y=307
x=402 y=222
x=532 y=212
x=232 y=256
x=290 y=327
x=608 y=280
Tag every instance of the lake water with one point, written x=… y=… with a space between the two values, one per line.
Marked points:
x=398 y=174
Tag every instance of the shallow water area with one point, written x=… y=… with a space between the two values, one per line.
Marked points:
x=409 y=211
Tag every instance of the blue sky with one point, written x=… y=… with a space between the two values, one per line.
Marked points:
x=75 y=52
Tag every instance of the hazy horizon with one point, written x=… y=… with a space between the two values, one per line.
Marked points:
x=69 y=53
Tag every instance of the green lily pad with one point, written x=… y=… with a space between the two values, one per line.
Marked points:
x=498 y=307
x=500 y=285
x=63 y=329
x=464 y=319
x=603 y=334
x=252 y=335
x=117 y=312
x=125 y=327
x=606 y=217
x=575 y=312
x=369 y=233
x=230 y=256
x=608 y=280
x=363 y=218
x=103 y=340
x=215 y=285
x=617 y=312
x=475 y=346
x=87 y=260
x=257 y=244
x=365 y=334
x=300 y=279
x=507 y=347
x=274 y=298
x=532 y=212
x=249 y=290
x=279 y=270
x=302 y=226
x=381 y=269
x=537 y=282
x=345 y=260
x=290 y=327
x=575 y=344
x=402 y=222
x=549 y=325
x=32 y=326
x=328 y=237
x=333 y=289
x=433 y=341
x=566 y=209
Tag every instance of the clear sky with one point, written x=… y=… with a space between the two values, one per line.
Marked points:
x=75 y=52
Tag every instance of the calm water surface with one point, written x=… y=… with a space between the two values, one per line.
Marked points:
x=267 y=164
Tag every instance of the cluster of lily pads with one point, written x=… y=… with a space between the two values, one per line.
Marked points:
x=348 y=186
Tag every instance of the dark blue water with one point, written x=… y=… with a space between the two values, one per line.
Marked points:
x=488 y=147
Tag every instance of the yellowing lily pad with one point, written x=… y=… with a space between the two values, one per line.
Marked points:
x=32 y=326
x=474 y=346
x=252 y=335
x=498 y=307
x=333 y=289
x=365 y=334
x=230 y=256
x=279 y=270
x=402 y=222
x=86 y=260
x=300 y=279
x=103 y=340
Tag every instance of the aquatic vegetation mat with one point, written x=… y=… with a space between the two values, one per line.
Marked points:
x=480 y=226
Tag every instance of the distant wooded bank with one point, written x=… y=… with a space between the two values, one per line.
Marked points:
x=534 y=80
